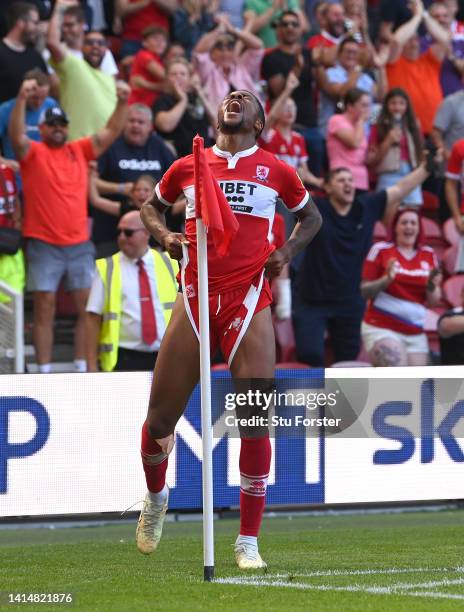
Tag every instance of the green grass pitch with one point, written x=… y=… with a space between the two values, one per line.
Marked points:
x=381 y=562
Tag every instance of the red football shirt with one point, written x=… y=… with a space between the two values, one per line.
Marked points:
x=455 y=169
x=252 y=181
x=293 y=152
x=8 y=199
x=400 y=307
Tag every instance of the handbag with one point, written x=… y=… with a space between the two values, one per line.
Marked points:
x=10 y=237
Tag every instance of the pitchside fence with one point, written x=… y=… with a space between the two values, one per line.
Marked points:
x=11 y=330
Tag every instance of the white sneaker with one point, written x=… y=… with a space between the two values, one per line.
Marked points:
x=150 y=525
x=248 y=557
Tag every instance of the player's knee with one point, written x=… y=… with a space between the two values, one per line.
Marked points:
x=159 y=426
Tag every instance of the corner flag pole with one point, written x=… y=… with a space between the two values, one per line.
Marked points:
x=205 y=386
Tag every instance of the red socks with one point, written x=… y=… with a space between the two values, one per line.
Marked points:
x=255 y=462
x=155 y=462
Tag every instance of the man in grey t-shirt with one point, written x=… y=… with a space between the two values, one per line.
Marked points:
x=448 y=127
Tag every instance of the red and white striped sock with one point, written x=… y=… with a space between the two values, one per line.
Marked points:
x=255 y=462
x=155 y=462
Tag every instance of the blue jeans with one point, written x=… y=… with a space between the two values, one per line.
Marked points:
x=342 y=321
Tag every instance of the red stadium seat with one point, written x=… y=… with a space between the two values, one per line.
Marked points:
x=380 y=232
x=450 y=232
x=449 y=259
x=452 y=289
x=431 y=205
x=433 y=236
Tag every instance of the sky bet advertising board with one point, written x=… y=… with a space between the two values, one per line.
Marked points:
x=69 y=443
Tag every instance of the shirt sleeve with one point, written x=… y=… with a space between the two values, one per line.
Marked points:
x=170 y=186
x=454 y=169
x=250 y=60
x=86 y=147
x=372 y=268
x=336 y=122
x=96 y=300
x=293 y=193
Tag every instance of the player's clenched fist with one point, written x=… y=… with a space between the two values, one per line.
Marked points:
x=275 y=263
x=173 y=244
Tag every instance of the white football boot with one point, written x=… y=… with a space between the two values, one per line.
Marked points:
x=248 y=557
x=150 y=525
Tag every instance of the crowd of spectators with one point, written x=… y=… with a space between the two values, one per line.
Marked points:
x=364 y=98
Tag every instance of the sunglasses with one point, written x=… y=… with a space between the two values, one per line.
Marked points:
x=289 y=24
x=55 y=122
x=223 y=45
x=95 y=41
x=128 y=233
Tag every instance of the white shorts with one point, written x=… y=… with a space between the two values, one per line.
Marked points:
x=414 y=343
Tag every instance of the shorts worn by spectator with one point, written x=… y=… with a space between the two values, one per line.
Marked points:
x=137 y=151
x=448 y=125
x=17 y=53
x=87 y=94
x=288 y=57
x=399 y=279
x=227 y=58
x=326 y=278
x=55 y=178
x=120 y=343
x=415 y=72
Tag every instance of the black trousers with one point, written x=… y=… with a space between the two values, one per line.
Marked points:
x=133 y=361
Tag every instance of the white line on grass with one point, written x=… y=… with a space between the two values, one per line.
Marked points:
x=394 y=589
x=367 y=572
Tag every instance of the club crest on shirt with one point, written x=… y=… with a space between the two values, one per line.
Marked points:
x=262 y=172
x=190 y=291
x=236 y=324
x=425 y=265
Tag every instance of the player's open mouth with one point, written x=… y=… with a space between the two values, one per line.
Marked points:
x=234 y=107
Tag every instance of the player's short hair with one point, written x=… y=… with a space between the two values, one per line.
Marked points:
x=18 y=11
x=38 y=75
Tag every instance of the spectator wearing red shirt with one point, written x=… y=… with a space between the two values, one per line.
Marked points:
x=333 y=16
x=454 y=184
x=399 y=278
x=136 y=15
x=147 y=72
x=55 y=185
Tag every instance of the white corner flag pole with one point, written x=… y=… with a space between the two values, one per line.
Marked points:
x=205 y=385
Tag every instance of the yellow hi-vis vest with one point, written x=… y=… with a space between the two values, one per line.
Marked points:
x=110 y=272
x=13 y=273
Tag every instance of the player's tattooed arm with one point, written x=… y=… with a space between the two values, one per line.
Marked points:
x=152 y=214
x=309 y=223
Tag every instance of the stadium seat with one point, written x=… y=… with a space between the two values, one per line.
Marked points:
x=352 y=364
x=449 y=259
x=380 y=232
x=452 y=288
x=433 y=236
x=431 y=205
x=285 y=340
x=450 y=232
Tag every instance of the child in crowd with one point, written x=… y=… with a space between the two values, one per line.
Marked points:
x=395 y=144
x=147 y=72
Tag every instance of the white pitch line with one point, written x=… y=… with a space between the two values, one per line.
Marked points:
x=368 y=572
x=374 y=590
x=429 y=585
